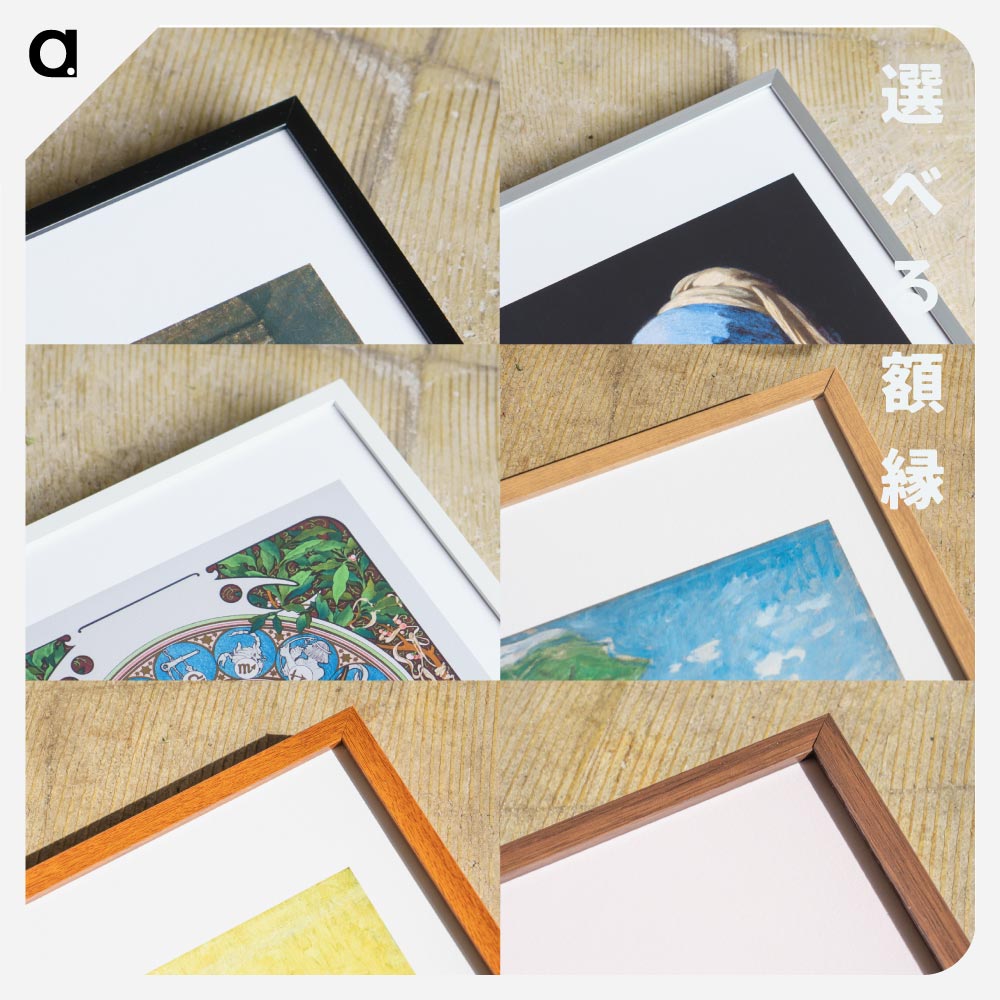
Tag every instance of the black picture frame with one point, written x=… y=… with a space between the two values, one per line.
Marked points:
x=291 y=116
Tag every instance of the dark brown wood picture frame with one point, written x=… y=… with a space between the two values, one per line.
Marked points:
x=819 y=740
x=345 y=729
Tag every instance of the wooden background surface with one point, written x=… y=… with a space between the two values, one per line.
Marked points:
x=96 y=749
x=411 y=112
x=566 y=747
x=566 y=91
x=557 y=401
x=98 y=414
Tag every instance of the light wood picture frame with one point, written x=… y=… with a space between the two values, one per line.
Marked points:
x=857 y=446
x=819 y=740
x=346 y=730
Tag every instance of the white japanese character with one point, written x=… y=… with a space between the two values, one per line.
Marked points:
x=927 y=293
x=917 y=484
x=909 y=181
x=917 y=98
x=925 y=389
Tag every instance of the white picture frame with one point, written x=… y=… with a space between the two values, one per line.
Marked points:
x=105 y=541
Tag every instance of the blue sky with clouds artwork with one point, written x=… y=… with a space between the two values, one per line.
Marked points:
x=789 y=609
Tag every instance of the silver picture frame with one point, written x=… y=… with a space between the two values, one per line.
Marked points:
x=810 y=129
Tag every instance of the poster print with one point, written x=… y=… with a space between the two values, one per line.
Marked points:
x=329 y=929
x=295 y=308
x=305 y=603
x=789 y=609
x=766 y=268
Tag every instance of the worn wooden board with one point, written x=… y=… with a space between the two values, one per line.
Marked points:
x=564 y=748
x=104 y=750
x=557 y=401
x=98 y=414
x=567 y=91
x=410 y=111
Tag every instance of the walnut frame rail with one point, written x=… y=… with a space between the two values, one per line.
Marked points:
x=345 y=729
x=819 y=739
x=826 y=387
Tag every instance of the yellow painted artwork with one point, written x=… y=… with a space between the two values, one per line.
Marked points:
x=330 y=929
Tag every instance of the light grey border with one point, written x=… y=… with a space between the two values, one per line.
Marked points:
x=808 y=126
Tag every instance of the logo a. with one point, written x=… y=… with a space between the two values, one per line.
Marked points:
x=67 y=39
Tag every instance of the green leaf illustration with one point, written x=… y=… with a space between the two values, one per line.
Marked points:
x=270 y=555
x=339 y=585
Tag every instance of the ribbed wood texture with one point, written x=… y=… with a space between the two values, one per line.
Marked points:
x=96 y=749
x=567 y=91
x=564 y=748
x=410 y=111
x=558 y=401
x=98 y=414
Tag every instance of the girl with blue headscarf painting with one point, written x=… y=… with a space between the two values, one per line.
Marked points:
x=725 y=305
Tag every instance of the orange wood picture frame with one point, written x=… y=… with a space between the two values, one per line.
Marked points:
x=345 y=729
x=819 y=739
x=826 y=387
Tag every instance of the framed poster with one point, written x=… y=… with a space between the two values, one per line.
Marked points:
x=348 y=875
x=223 y=225
x=778 y=858
x=299 y=546
x=744 y=542
x=669 y=235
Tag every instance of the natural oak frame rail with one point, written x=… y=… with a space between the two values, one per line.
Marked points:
x=827 y=387
x=819 y=740
x=345 y=729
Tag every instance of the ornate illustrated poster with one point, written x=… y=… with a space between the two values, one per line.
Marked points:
x=306 y=602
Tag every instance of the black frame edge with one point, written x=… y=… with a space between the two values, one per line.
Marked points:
x=289 y=114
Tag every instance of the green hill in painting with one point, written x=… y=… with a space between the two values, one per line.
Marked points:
x=570 y=658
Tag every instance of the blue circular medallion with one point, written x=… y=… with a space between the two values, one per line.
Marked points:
x=243 y=654
x=307 y=657
x=185 y=661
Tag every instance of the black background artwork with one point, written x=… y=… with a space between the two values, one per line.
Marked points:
x=776 y=232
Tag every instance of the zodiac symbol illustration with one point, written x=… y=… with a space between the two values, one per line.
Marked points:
x=178 y=668
x=246 y=660
x=306 y=662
